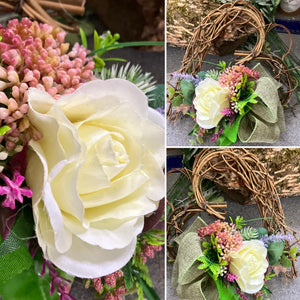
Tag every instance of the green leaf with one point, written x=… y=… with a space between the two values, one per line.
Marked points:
x=293 y=252
x=14 y=255
x=148 y=291
x=99 y=62
x=229 y=134
x=275 y=250
x=20 y=233
x=188 y=91
x=202 y=74
x=83 y=38
x=4 y=129
x=127 y=270
x=96 y=40
x=262 y=232
x=171 y=92
x=127 y=44
x=13 y=264
x=224 y=292
x=242 y=103
x=158 y=94
x=285 y=262
x=27 y=286
x=177 y=101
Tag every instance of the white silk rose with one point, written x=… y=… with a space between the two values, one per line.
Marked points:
x=249 y=264
x=95 y=174
x=210 y=99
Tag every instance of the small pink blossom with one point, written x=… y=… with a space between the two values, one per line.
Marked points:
x=13 y=190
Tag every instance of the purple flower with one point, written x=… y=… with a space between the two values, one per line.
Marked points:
x=13 y=190
x=161 y=110
x=193 y=79
x=276 y=238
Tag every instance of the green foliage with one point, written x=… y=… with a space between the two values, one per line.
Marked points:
x=275 y=250
x=211 y=266
x=247 y=102
x=4 y=129
x=28 y=285
x=239 y=222
x=214 y=74
x=222 y=66
x=202 y=74
x=224 y=292
x=136 y=274
x=14 y=254
x=134 y=74
x=188 y=91
x=230 y=133
x=83 y=38
x=262 y=232
x=156 y=96
x=128 y=278
x=100 y=46
x=285 y=262
x=249 y=233
x=154 y=237
x=177 y=101
x=267 y=8
x=293 y=252
x=269 y=276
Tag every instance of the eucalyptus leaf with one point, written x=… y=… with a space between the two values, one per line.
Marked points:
x=275 y=250
x=188 y=91
x=262 y=232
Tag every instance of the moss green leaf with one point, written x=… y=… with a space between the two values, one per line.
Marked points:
x=275 y=250
x=188 y=91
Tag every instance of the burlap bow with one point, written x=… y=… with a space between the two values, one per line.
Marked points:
x=265 y=121
x=189 y=281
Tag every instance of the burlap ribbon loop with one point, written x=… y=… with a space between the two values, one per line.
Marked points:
x=189 y=281
x=265 y=121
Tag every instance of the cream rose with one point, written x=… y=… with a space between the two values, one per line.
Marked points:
x=94 y=175
x=210 y=100
x=249 y=264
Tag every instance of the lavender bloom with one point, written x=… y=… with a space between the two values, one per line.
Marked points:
x=161 y=110
x=276 y=238
x=193 y=79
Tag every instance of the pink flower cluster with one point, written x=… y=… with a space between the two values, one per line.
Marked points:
x=62 y=284
x=36 y=55
x=228 y=238
x=231 y=77
x=39 y=53
x=148 y=252
x=111 y=281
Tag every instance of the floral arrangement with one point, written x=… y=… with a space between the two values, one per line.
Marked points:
x=228 y=103
x=239 y=259
x=81 y=167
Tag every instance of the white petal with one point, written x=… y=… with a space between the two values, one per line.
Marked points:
x=101 y=95
x=87 y=261
x=112 y=234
